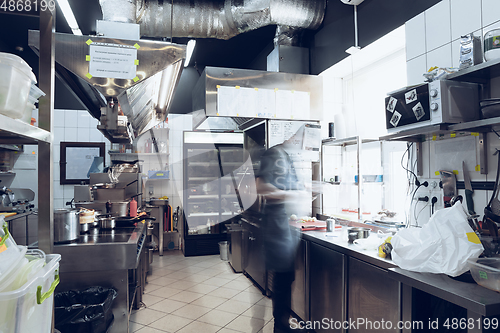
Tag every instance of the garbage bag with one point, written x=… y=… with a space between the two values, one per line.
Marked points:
x=85 y=311
x=443 y=245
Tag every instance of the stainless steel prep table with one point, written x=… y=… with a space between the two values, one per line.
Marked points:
x=108 y=258
x=477 y=300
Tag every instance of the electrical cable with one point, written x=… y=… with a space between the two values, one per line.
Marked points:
x=420 y=212
x=496 y=133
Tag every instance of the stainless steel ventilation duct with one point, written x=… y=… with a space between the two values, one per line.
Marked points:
x=214 y=19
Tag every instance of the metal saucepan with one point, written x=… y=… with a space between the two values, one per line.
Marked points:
x=117 y=208
x=66 y=225
x=107 y=222
x=357 y=233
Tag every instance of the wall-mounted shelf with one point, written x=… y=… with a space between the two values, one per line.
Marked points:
x=481 y=73
x=345 y=142
x=15 y=131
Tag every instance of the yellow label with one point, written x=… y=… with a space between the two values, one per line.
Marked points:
x=478 y=168
x=436 y=173
x=87 y=57
x=136 y=62
x=455 y=172
x=237 y=87
x=293 y=91
x=88 y=75
x=218 y=86
x=474 y=134
x=237 y=115
x=137 y=46
x=453 y=134
x=472 y=237
x=89 y=41
x=159 y=174
x=217 y=113
x=135 y=79
x=256 y=89
x=275 y=89
x=291 y=116
x=434 y=138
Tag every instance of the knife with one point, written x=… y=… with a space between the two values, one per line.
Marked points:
x=468 y=190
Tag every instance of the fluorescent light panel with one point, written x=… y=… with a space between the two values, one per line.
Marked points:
x=189 y=51
x=68 y=15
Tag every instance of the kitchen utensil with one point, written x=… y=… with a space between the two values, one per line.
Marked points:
x=449 y=186
x=357 y=233
x=492 y=210
x=117 y=208
x=468 y=190
x=107 y=222
x=66 y=225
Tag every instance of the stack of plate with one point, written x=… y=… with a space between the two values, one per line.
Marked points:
x=490 y=108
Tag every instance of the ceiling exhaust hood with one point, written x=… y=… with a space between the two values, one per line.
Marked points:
x=115 y=78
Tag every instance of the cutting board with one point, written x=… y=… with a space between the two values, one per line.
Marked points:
x=305 y=226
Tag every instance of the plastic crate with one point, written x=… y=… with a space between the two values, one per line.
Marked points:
x=29 y=308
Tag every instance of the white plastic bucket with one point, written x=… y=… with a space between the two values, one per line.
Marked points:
x=15 y=85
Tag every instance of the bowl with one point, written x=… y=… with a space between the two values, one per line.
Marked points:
x=486 y=272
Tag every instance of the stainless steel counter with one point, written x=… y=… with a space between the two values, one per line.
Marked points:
x=477 y=300
x=107 y=258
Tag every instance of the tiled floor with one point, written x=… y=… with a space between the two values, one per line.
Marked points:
x=200 y=294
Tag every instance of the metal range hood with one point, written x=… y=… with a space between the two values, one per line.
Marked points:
x=144 y=88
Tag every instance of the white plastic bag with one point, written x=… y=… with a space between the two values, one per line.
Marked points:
x=443 y=245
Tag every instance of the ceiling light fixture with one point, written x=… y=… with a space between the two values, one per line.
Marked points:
x=354 y=49
x=189 y=51
x=68 y=15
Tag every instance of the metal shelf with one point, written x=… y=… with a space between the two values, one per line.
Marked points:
x=479 y=74
x=345 y=142
x=15 y=131
x=416 y=134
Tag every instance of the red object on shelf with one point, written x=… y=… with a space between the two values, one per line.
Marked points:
x=133 y=208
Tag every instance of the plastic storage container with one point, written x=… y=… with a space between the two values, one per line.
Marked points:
x=29 y=308
x=486 y=272
x=15 y=85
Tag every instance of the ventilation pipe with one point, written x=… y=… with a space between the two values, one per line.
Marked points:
x=216 y=19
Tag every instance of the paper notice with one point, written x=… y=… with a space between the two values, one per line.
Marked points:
x=418 y=110
x=391 y=106
x=113 y=61
x=411 y=96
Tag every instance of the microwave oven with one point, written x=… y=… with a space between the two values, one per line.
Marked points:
x=433 y=103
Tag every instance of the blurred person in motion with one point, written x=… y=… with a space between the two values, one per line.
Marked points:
x=278 y=189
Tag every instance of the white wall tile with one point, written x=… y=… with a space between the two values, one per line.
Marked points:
x=415 y=68
x=455 y=49
x=440 y=57
x=83 y=134
x=59 y=118
x=415 y=37
x=438 y=25
x=58 y=190
x=83 y=119
x=95 y=135
x=56 y=153
x=70 y=134
x=465 y=17
x=70 y=118
x=58 y=134
x=56 y=171
x=490 y=11
x=69 y=191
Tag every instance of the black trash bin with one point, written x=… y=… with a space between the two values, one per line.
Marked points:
x=85 y=311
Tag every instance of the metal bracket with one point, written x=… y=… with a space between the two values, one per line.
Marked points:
x=420 y=164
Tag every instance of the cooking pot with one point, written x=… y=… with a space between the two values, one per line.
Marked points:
x=86 y=218
x=107 y=222
x=357 y=233
x=66 y=225
x=117 y=208
x=125 y=168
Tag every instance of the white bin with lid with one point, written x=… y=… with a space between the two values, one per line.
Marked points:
x=29 y=308
x=15 y=85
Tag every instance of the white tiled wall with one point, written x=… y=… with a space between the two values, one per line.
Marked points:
x=72 y=126
x=444 y=24
x=69 y=126
x=436 y=33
